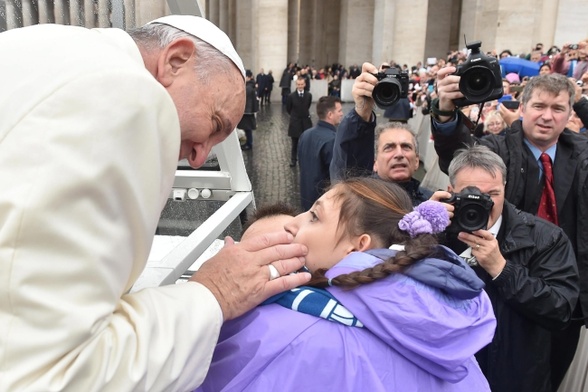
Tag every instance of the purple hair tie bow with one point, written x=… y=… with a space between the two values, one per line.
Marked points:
x=429 y=217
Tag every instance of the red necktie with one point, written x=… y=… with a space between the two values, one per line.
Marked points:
x=547 y=207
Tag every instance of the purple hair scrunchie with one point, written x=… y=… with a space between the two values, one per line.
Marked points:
x=429 y=217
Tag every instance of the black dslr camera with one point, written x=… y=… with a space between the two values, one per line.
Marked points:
x=481 y=79
x=472 y=210
x=392 y=85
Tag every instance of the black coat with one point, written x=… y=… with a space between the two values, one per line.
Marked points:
x=248 y=121
x=285 y=82
x=534 y=295
x=570 y=176
x=581 y=109
x=298 y=109
x=315 y=151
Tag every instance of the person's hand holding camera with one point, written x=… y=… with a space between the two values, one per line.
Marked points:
x=362 y=91
x=468 y=211
x=440 y=196
x=447 y=90
x=486 y=250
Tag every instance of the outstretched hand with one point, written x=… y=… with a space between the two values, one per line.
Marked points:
x=448 y=88
x=239 y=277
x=362 y=91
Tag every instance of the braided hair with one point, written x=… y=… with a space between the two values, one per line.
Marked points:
x=370 y=205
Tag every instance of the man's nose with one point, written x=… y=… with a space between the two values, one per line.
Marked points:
x=547 y=114
x=398 y=152
x=201 y=152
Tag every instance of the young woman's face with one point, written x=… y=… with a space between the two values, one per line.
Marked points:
x=317 y=229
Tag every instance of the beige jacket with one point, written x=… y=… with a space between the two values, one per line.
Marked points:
x=89 y=143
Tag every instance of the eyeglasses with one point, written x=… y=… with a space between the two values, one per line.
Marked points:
x=494 y=124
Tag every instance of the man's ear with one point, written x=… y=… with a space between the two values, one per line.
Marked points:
x=174 y=60
x=417 y=161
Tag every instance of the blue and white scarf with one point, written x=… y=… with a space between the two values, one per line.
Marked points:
x=316 y=302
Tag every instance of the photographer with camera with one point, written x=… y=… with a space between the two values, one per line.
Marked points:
x=565 y=62
x=396 y=157
x=527 y=264
x=547 y=173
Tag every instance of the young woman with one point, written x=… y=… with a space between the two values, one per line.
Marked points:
x=397 y=313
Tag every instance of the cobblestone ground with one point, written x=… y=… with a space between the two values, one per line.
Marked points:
x=267 y=163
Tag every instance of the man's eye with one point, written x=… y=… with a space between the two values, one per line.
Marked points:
x=314 y=217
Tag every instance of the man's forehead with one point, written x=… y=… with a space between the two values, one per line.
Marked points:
x=541 y=94
x=395 y=135
x=475 y=176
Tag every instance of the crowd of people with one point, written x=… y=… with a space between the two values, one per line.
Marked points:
x=532 y=165
x=378 y=285
x=571 y=60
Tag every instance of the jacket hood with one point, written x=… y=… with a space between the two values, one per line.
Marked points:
x=437 y=314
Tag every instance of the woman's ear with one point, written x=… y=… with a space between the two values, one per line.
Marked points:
x=364 y=242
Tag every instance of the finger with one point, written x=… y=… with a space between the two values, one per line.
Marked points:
x=449 y=85
x=443 y=72
x=286 y=266
x=285 y=283
x=440 y=195
x=363 y=88
x=273 y=272
x=266 y=240
x=368 y=67
x=483 y=234
x=281 y=252
x=468 y=238
x=365 y=81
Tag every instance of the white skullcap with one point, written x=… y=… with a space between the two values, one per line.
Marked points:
x=206 y=31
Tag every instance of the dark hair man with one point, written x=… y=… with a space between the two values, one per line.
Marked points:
x=315 y=150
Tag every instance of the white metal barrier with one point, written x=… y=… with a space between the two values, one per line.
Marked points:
x=231 y=184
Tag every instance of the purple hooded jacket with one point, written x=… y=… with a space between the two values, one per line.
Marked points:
x=422 y=329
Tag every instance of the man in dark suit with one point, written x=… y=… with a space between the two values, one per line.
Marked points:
x=315 y=150
x=540 y=136
x=261 y=82
x=529 y=270
x=298 y=106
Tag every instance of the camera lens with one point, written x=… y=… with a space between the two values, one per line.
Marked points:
x=387 y=92
x=473 y=217
x=476 y=83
